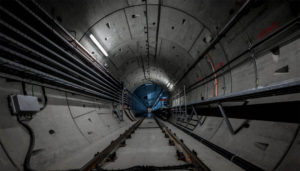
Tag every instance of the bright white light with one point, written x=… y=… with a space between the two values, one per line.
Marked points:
x=168 y=84
x=171 y=86
x=98 y=45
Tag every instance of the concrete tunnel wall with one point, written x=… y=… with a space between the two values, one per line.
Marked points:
x=270 y=145
x=185 y=29
x=69 y=125
x=244 y=77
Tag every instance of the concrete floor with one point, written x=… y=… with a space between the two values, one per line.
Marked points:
x=148 y=146
x=82 y=156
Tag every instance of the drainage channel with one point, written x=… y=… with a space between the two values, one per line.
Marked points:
x=147 y=145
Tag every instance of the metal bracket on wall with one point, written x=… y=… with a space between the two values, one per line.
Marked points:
x=200 y=120
x=118 y=111
x=226 y=118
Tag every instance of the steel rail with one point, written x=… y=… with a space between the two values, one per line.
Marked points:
x=99 y=159
x=154 y=168
x=226 y=154
x=190 y=156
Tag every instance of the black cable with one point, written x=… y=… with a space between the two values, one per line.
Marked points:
x=24 y=88
x=27 y=166
x=45 y=99
x=8 y=156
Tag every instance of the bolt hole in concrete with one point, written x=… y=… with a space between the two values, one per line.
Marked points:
x=37 y=151
x=246 y=125
x=183 y=21
x=275 y=54
x=284 y=69
x=51 y=132
x=172 y=27
x=262 y=146
x=107 y=25
x=275 y=51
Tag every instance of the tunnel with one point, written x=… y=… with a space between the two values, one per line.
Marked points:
x=129 y=85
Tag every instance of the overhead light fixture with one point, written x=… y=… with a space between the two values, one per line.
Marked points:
x=98 y=45
x=170 y=86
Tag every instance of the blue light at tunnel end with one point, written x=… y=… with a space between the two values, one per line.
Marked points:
x=149 y=96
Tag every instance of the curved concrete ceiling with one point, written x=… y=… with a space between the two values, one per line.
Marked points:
x=152 y=40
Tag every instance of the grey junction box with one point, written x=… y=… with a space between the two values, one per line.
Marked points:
x=22 y=104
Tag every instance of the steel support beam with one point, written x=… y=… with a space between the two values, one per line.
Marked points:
x=226 y=119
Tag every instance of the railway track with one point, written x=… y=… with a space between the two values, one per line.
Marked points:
x=146 y=145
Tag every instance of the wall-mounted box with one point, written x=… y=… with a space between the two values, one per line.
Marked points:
x=21 y=104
